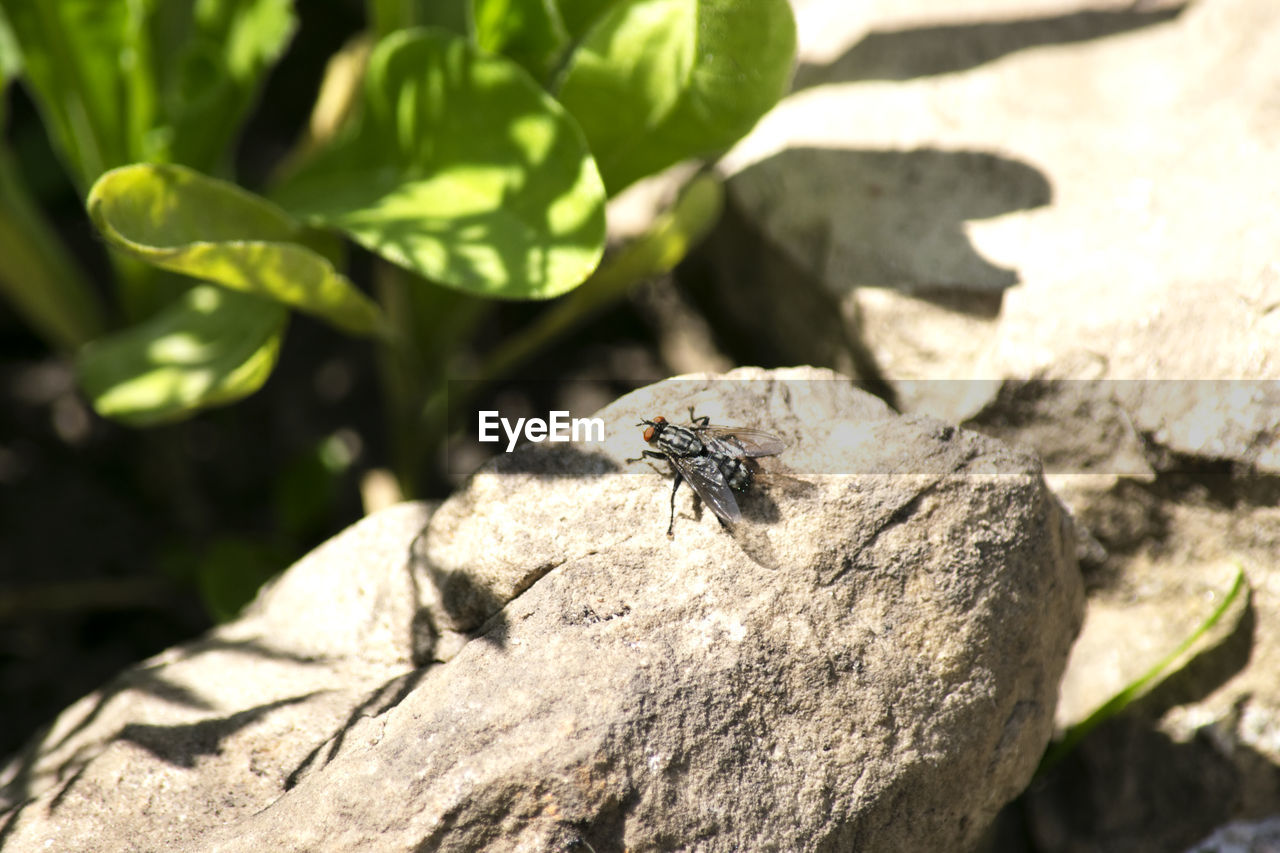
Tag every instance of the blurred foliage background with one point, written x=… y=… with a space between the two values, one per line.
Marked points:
x=124 y=534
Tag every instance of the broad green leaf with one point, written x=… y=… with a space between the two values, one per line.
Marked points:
x=119 y=81
x=461 y=169
x=210 y=58
x=666 y=243
x=658 y=81
x=580 y=15
x=387 y=16
x=182 y=221
x=527 y=31
x=212 y=347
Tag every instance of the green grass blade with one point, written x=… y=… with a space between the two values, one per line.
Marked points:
x=1141 y=685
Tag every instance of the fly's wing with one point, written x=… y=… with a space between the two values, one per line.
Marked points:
x=751 y=442
x=704 y=476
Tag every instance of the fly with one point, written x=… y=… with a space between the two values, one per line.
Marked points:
x=716 y=461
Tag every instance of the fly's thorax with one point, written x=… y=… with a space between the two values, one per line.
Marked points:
x=677 y=440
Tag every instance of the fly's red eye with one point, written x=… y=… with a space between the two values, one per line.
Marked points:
x=648 y=434
x=659 y=420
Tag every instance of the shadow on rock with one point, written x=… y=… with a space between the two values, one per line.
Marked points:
x=1207 y=671
x=1130 y=786
x=808 y=225
x=894 y=218
x=183 y=744
x=464 y=604
x=375 y=704
x=463 y=592
x=926 y=51
x=146 y=680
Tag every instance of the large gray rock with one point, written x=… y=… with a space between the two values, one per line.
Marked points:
x=1060 y=188
x=869 y=661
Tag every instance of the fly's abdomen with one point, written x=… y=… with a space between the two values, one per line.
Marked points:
x=736 y=470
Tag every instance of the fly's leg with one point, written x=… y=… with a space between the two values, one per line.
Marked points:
x=700 y=422
x=671 y=527
x=647 y=454
x=653 y=454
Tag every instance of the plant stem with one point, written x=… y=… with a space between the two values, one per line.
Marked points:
x=427 y=323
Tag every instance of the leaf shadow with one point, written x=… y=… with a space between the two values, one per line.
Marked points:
x=907 y=54
x=848 y=218
x=902 y=215
x=182 y=745
x=377 y=703
x=145 y=679
x=467 y=602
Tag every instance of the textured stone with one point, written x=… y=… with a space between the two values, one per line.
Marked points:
x=1262 y=836
x=1022 y=190
x=208 y=733
x=869 y=661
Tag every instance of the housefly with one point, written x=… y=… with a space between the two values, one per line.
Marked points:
x=716 y=461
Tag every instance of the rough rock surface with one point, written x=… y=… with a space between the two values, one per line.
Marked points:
x=1004 y=190
x=869 y=661
x=974 y=195
x=208 y=733
x=1243 y=837
x=1117 y=163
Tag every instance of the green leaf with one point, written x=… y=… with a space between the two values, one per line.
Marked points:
x=210 y=59
x=72 y=52
x=387 y=16
x=37 y=274
x=666 y=243
x=530 y=32
x=182 y=221
x=119 y=81
x=658 y=81
x=461 y=169
x=212 y=347
x=10 y=57
x=580 y=15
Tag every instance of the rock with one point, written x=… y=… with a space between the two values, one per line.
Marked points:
x=869 y=661
x=1261 y=836
x=1080 y=195
x=1008 y=191
x=1202 y=748
x=207 y=733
